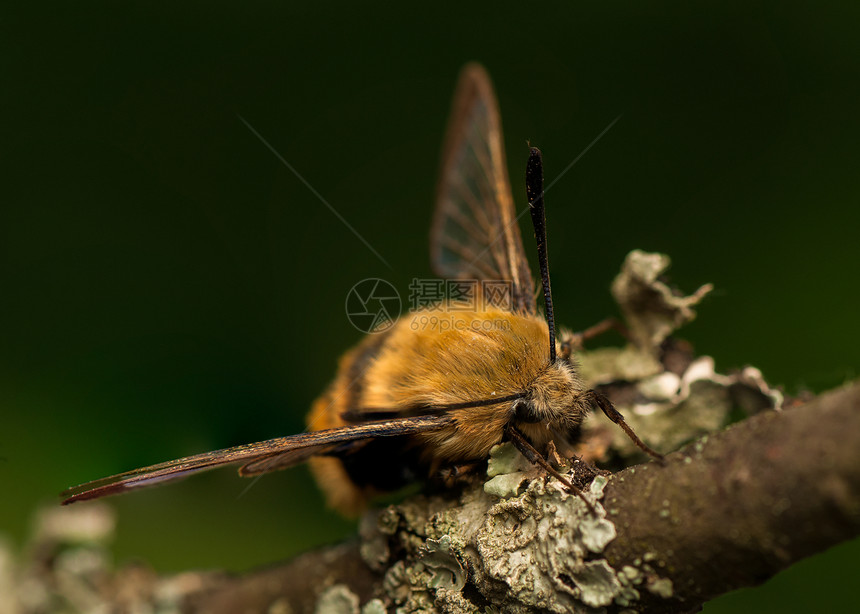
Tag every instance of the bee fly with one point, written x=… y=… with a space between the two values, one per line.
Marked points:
x=407 y=403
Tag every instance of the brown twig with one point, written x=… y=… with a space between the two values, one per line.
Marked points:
x=728 y=511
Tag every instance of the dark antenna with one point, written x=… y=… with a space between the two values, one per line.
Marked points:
x=534 y=192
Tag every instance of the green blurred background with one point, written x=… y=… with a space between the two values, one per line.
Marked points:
x=167 y=286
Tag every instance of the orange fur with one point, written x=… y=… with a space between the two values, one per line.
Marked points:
x=480 y=355
x=437 y=357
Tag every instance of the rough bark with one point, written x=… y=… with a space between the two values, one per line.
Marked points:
x=290 y=587
x=736 y=507
x=730 y=509
x=727 y=511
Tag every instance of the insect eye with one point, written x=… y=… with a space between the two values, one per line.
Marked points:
x=524 y=412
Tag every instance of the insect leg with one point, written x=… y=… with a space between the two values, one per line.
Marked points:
x=577 y=341
x=552 y=455
x=532 y=455
x=614 y=415
x=457 y=473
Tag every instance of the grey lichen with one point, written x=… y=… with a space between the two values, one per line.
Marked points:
x=525 y=541
x=652 y=309
x=610 y=364
x=517 y=543
x=662 y=587
x=598 y=583
x=667 y=396
x=535 y=545
x=337 y=599
x=505 y=459
x=597 y=531
x=537 y=549
x=440 y=557
x=507 y=470
x=68 y=567
x=505 y=485
x=374 y=606
x=374 y=529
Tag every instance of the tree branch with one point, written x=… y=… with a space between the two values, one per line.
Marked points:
x=729 y=510
x=737 y=507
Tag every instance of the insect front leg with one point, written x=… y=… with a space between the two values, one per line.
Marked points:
x=613 y=414
x=533 y=456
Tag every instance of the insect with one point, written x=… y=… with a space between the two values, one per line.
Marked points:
x=408 y=403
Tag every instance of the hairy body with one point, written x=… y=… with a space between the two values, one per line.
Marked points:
x=483 y=355
x=436 y=390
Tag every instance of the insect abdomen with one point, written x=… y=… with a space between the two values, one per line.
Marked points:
x=480 y=355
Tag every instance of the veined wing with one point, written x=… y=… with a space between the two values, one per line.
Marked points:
x=475 y=234
x=289 y=450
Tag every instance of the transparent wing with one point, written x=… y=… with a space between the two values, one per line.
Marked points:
x=290 y=458
x=279 y=453
x=422 y=416
x=475 y=234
